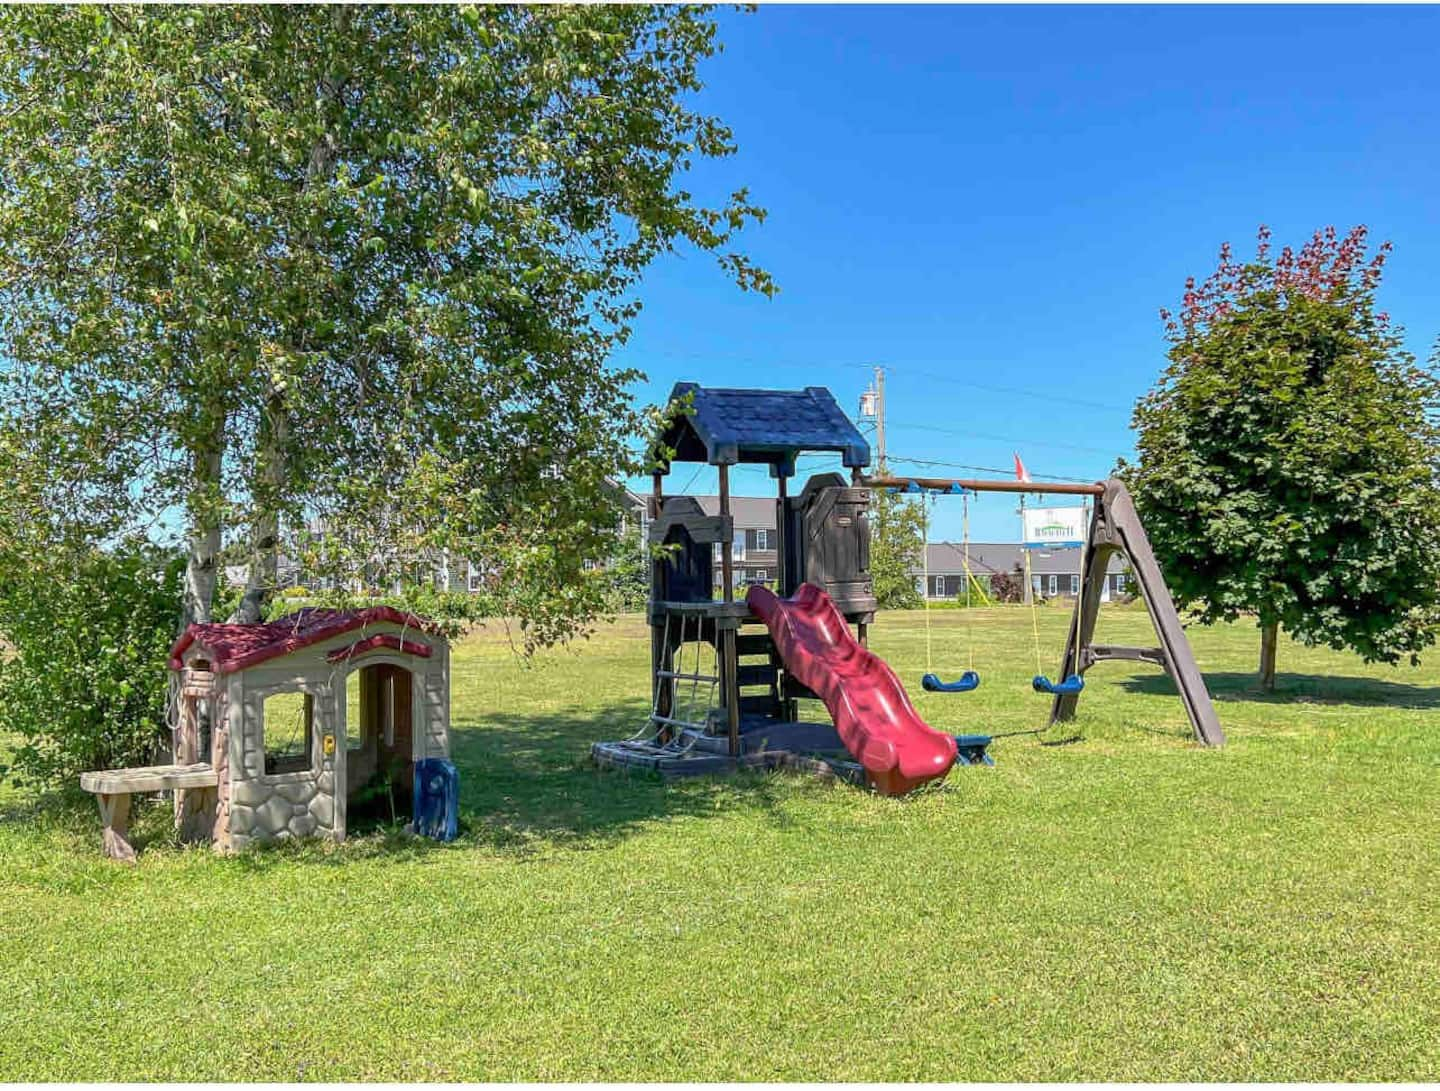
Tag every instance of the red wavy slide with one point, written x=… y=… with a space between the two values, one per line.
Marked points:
x=874 y=717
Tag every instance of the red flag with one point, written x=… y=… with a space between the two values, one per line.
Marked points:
x=1021 y=474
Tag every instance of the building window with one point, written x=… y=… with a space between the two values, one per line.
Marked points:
x=1035 y=585
x=760 y=575
x=1075 y=585
x=762 y=539
x=737 y=547
x=1054 y=584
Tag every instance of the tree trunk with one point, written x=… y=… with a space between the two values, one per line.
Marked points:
x=272 y=454
x=272 y=462
x=1269 y=637
x=204 y=551
x=274 y=442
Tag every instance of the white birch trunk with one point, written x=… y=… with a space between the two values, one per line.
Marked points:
x=265 y=529
x=201 y=563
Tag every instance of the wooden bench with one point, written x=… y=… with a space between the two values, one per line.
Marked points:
x=114 y=787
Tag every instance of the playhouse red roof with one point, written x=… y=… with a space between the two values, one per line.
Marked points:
x=239 y=646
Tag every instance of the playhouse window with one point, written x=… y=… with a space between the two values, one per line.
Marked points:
x=204 y=729
x=288 y=720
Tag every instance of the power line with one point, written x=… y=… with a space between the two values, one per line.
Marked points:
x=904 y=369
x=1027 y=392
x=967 y=434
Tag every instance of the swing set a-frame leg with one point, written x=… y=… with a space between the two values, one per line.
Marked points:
x=1115 y=527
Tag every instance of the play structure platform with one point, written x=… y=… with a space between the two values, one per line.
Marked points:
x=765 y=744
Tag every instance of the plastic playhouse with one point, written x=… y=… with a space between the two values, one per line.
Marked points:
x=282 y=728
x=728 y=676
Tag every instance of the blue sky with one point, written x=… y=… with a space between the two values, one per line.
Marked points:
x=993 y=203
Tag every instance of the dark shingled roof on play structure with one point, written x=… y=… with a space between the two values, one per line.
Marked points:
x=236 y=646
x=725 y=426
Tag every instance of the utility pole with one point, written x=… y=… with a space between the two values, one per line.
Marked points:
x=880 y=419
x=872 y=411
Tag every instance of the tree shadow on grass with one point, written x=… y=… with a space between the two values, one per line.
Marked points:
x=527 y=785
x=1299 y=689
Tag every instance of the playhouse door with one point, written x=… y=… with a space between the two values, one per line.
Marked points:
x=402 y=734
x=380 y=763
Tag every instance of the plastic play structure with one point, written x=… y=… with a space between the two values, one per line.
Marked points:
x=238 y=779
x=727 y=676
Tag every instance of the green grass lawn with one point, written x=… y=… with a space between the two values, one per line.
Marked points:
x=1125 y=905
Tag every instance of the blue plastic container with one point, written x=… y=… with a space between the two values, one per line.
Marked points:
x=437 y=799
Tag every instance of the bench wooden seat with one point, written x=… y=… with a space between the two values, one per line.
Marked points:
x=113 y=787
x=150 y=778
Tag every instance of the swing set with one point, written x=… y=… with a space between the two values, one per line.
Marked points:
x=970 y=679
x=1113 y=526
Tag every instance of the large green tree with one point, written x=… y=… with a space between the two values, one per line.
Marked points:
x=263 y=266
x=1288 y=455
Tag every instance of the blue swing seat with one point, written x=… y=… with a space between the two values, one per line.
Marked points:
x=1072 y=684
x=964 y=684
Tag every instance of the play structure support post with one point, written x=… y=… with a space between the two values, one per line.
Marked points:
x=1115 y=526
x=657 y=504
x=661 y=652
x=725 y=638
x=781 y=492
x=727 y=563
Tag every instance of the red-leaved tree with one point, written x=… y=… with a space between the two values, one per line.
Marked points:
x=1287 y=463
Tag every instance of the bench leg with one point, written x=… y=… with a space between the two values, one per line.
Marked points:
x=115 y=818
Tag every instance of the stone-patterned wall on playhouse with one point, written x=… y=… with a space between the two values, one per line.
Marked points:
x=269 y=806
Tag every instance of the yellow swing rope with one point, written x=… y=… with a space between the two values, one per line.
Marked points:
x=965 y=562
x=925 y=568
x=1029 y=589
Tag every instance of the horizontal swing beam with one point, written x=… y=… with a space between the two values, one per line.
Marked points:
x=947 y=484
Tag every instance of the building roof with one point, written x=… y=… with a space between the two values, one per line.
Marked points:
x=988 y=558
x=236 y=647
x=724 y=426
x=749 y=512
